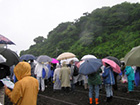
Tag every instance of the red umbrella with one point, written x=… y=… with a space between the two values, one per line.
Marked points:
x=4 y=40
x=114 y=65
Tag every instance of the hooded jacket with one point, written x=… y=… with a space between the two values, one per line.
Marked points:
x=26 y=88
x=130 y=73
x=64 y=75
x=95 y=79
x=108 y=76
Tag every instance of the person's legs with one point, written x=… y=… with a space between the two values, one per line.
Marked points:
x=111 y=92
x=96 y=90
x=132 y=85
x=72 y=86
x=2 y=95
x=67 y=89
x=38 y=78
x=129 y=86
x=42 y=84
x=90 y=93
x=107 y=89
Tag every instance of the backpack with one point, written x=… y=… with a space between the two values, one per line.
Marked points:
x=76 y=71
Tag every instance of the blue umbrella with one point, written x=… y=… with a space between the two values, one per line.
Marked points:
x=27 y=57
x=90 y=66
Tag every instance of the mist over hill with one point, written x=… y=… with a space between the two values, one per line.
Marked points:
x=105 y=31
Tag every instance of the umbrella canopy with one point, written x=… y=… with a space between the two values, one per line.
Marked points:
x=11 y=57
x=74 y=59
x=88 y=57
x=132 y=58
x=2 y=59
x=4 y=40
x=54 y=61
x=79 y=63
x=27 y=57
x=114 y=65
x=90 y=66
x=116 y=60
x=44 y=58
x=65 y=55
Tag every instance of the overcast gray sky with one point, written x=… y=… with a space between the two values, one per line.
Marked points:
x=23 y=20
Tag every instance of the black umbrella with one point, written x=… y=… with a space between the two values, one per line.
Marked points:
x=11 y=57
x=116 y=60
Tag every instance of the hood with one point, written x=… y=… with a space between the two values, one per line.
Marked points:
x=128 y=67
x=64 y=64
x=22 y=69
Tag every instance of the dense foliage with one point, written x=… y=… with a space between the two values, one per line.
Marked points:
x=105 y=31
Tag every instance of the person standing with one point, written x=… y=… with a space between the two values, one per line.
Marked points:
x=4 y=71
x=137 y=76
x=108 y=79
x=25 y=90
x=129 y=71
x=32 y=63
x=56 y=80
x=94 y=82
x=39 y=68
x=72 y=65
x=65 y=77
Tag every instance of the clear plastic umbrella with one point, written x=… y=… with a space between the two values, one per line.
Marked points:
x=44 y=58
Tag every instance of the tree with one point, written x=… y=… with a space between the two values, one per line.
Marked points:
x=39 y=39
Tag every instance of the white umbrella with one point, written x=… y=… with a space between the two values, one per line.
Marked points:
x=88 y=57
x=74 y=59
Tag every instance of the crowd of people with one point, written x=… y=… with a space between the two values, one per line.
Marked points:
x=30 y=77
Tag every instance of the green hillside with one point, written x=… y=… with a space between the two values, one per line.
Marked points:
x=105 y=31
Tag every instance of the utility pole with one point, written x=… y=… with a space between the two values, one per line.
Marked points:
x=57 y=51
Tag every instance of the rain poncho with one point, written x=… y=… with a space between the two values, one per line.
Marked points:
x=57 y=83
x=65 y=76
x=41 y=72
x=26 y=88
x=130 y=77
x=50 y=73
x=130 y=73
x=38 y=69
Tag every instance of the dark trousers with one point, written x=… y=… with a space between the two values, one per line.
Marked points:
x=66 y=89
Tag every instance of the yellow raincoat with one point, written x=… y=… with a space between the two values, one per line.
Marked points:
x=26 y=88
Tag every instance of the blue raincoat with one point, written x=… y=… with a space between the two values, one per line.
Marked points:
x=108 y=76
